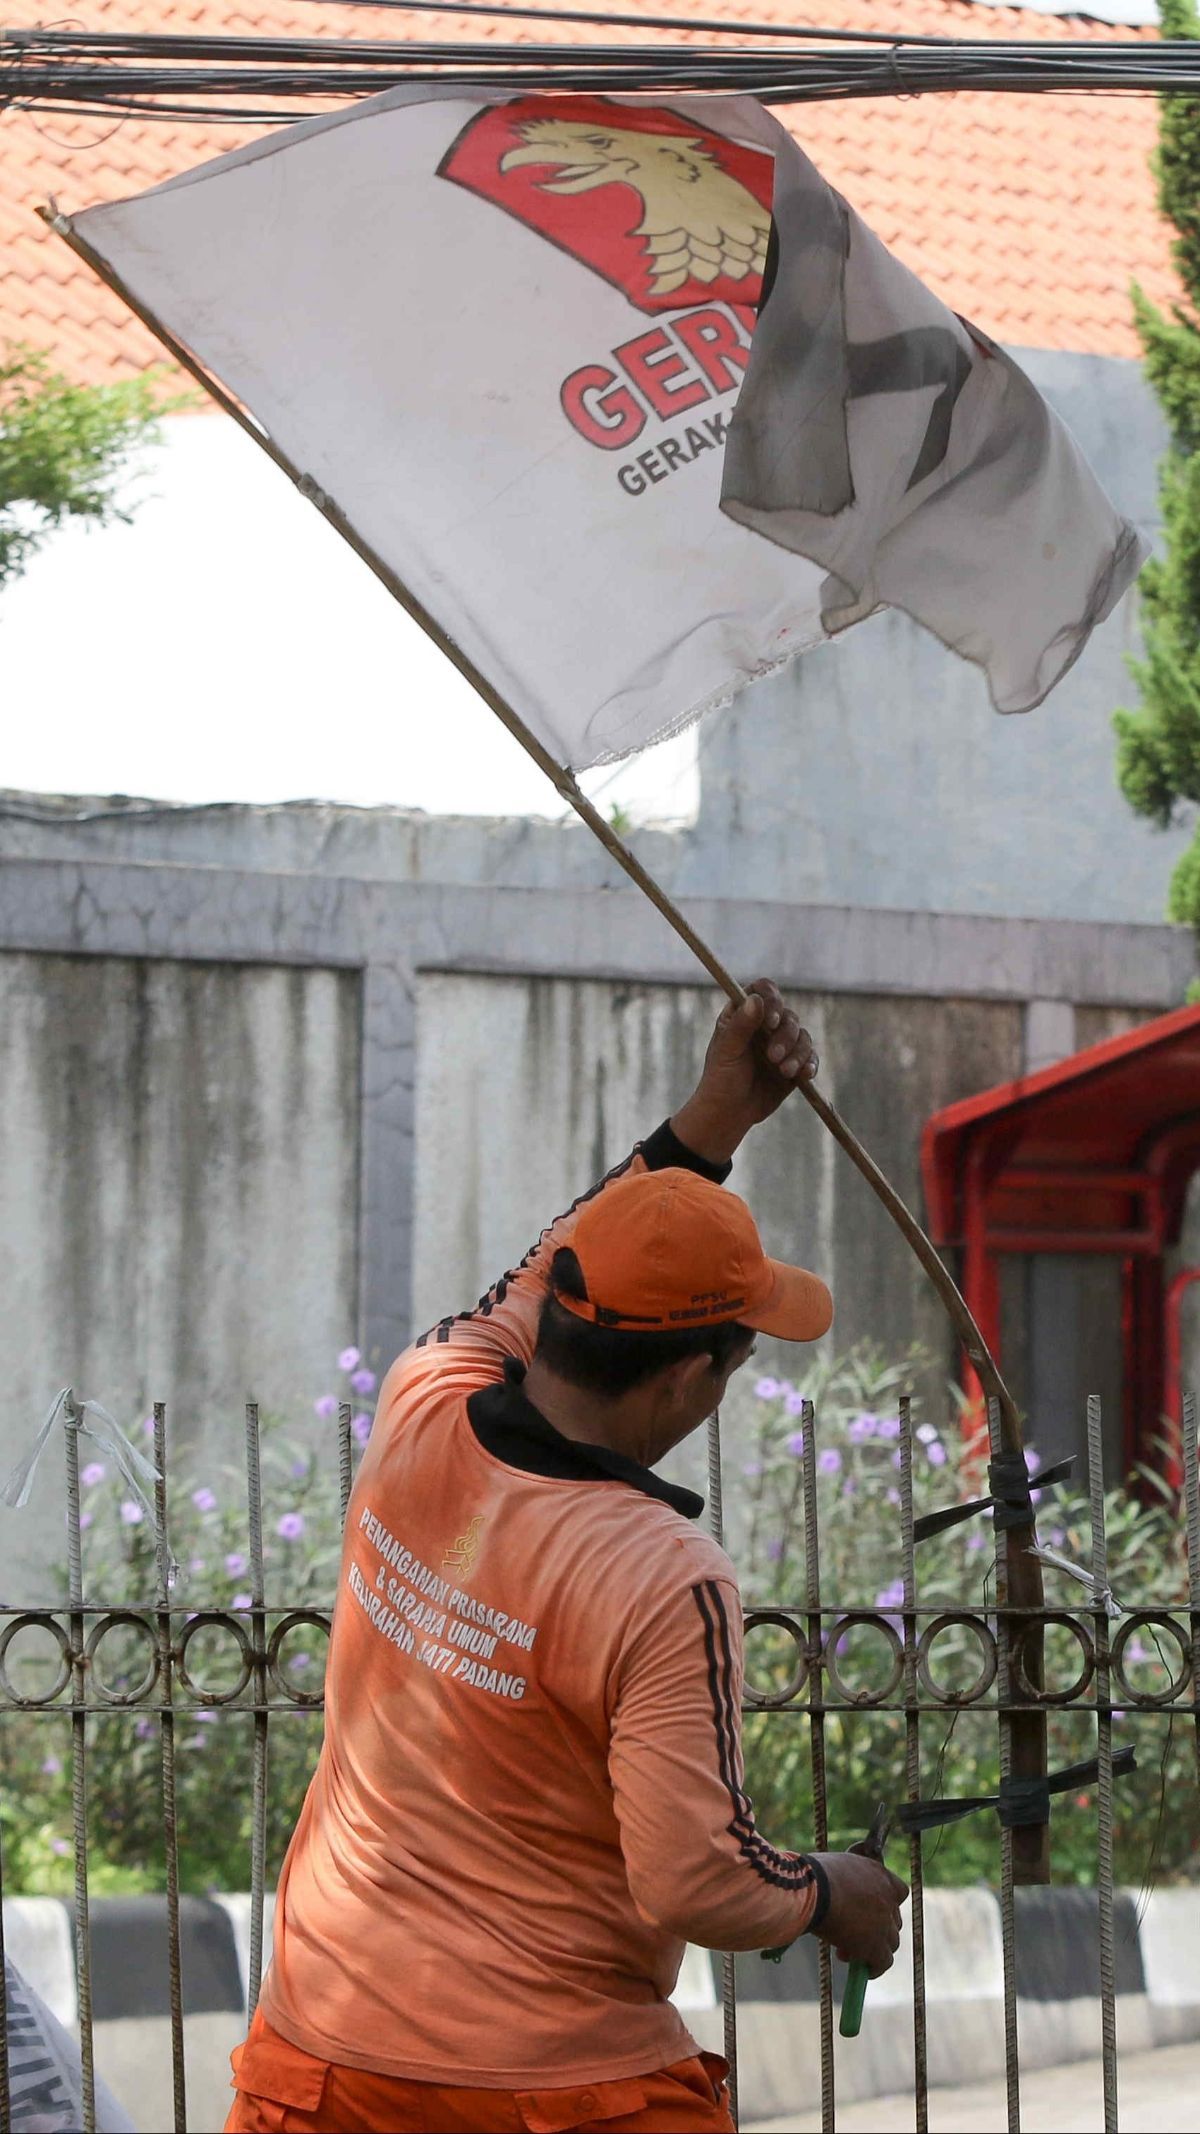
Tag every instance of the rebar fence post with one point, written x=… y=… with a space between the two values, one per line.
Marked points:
x=1191 y=1492
x=1104 y=1764
x=912 y=1770
x=5 y=2089
x=258 y=1826
x=716 y=1524
x=345 y=1459
x=1008 y=1923
x=162 y=1560
x=816 y=1736
x=83 y=1944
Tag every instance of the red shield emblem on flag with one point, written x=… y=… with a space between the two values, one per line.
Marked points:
x=669 y=212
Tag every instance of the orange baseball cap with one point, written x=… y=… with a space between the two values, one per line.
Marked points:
x=666 y=1249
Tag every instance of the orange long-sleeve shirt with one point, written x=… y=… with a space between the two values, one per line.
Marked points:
x=530 y=1794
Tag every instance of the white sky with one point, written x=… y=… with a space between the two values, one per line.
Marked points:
x=228 y=646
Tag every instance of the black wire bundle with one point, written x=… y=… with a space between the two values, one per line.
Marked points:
x=265 y=80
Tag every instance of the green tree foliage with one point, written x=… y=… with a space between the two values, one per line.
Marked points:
x=65 y=449
x=1158 y=746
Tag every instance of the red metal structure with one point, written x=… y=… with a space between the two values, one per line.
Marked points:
x=1093 y=1154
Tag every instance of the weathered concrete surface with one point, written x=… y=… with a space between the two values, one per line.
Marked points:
x=179 y=1168
x=1158 y=2091
x=530 y=1089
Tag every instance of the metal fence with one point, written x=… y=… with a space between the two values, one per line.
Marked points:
x=810 y=1633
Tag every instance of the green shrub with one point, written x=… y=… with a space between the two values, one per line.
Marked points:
x=857 y=1431
x=208 y=1527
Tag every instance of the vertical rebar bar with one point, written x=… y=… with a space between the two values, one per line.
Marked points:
x=1191 y=1495
x=345 y=1468
x=716 y=1523
x=816 y=1709
x=72 y=1416
x=1104 y=1770
x=5 y=2091
x=1008 y=1923
x=912 y=1772
x=162 y=1561
x=258 y=1825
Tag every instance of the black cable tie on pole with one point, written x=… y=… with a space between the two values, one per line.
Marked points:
x=1008 y=1477
x=1012 y=1498
x=1023 y=1801
x=1020 y=1801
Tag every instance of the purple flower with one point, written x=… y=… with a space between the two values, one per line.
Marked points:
x=897 y=1458
x=849 y=1489
x=861 y=1428
x=795 y=1444
x=888 y=1426
x=290 y=1527
x=148 y=1427
x=302 y=1659
x=51 y=1766
x=144 y=1729
x=299 y=1470
x=60 y=1847
x=85 y=1520
x=205 y=1718
x=935 y=1453
x=975 y=1542
x=775 y=1550
x=235 y=1563
x=892 y=1495
x=794 y=1403
x=1057 y=1536
x=196 y=1563
x=363 y=1382
x=361 y=1426
x=1033 y=1460
x=326 y=1407
x=94 y=1472
x=1135 y=1650
x=829 y=1462
x=926 y=1433
x=131 y=1513
x=349 y=1360
x=753 y=1467
x=204 y=1500
x=767 y=1389
x=892 y=1596
x=240 y=1600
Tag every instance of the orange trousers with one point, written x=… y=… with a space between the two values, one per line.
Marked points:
x=281 y=2090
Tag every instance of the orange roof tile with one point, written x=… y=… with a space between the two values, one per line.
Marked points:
x=1031 y=214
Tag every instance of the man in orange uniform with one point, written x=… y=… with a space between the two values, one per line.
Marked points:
x=530 y=1794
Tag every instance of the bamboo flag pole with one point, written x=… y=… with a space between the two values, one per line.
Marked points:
x=1031 y=1850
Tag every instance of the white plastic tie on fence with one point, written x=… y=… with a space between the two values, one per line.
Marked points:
x=92 y=1421
x=1101 y=1594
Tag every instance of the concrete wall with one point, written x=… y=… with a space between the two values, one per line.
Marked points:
x=178 y=1193
x=527 y=1090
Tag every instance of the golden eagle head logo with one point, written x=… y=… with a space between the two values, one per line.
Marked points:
x=698 y=222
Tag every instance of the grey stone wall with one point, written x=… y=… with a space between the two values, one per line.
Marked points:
x=178 y=1189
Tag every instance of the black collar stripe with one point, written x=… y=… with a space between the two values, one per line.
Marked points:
x=507 y=1425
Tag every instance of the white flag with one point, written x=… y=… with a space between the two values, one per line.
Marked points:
x=507 y=336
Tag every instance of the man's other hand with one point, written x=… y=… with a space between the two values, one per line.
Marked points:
x=863 y=1920
x=756 y=1056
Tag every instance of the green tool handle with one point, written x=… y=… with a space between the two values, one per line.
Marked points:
x=854 y=1995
